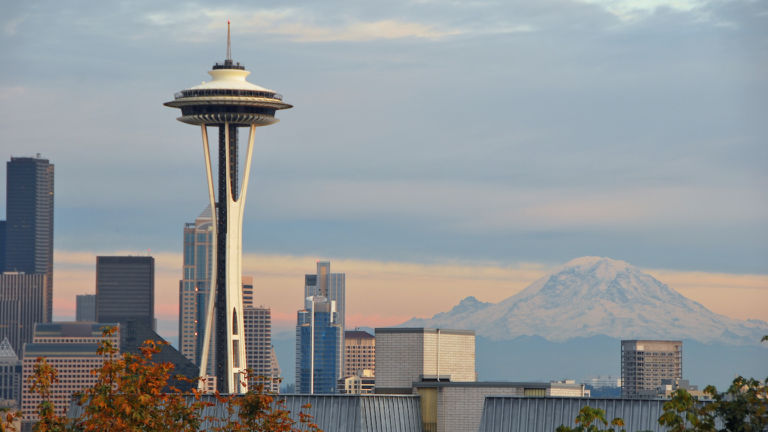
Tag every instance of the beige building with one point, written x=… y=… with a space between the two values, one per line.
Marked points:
x=259 y=353
x=359 y=352
x=458 y=406
x=645 y=363
x=70 y=347
x=405 y=356
x=362 y=382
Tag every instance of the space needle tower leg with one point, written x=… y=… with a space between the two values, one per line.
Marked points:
x=208 y=325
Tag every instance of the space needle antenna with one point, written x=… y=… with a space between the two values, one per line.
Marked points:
x=229 y=44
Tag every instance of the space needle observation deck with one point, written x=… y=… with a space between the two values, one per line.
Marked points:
x=227 y=102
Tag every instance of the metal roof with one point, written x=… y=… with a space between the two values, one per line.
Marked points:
x=334 y=413
x=349 y=413
x=512 y=414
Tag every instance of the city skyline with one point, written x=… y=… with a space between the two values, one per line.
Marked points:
x=605 y=129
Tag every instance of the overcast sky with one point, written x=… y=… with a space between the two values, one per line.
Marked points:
x=423 y=131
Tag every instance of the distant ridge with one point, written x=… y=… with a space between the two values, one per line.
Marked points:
x=593 y=296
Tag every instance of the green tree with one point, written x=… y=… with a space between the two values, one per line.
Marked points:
x=743 y=407
x=682 y=412
x=592 y=420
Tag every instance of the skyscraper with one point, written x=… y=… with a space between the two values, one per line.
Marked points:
x=645 y=363
x=318 y=341
x=333 y=287
x=258 y=345
x=227 y=102
x=23 y=302
x=2 y=246
x=195 y=285
x=86 y=307
x=125 y=289
x=359 y=352
x=29 y=221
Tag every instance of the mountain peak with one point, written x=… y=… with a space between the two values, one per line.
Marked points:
x=594 y=263
x=592 y=296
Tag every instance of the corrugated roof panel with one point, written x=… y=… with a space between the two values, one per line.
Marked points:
x=513 y=414
x=337 y=413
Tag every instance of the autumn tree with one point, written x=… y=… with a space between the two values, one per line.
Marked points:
x=135 y=393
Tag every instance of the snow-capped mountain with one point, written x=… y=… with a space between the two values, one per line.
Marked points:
x=592 y=296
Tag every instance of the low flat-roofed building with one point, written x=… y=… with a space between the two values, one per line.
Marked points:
x=520 y=414
x=458 y=406
x=70 y=348
x=363 y=382
x=408 y=355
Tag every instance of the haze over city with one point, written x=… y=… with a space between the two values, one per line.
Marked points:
x=463 y=148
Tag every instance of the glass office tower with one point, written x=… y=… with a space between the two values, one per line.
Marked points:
x=318 y=338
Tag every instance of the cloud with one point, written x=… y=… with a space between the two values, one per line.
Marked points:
x=632 y=10
x=455 y=204
x=296 y=25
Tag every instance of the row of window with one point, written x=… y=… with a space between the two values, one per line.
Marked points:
x=228 y=92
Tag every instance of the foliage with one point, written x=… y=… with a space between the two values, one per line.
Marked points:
x=41 y=381
x=683 y=413
x=592 y=420
x=743 y=407
x=134 y=393
x=8 y=418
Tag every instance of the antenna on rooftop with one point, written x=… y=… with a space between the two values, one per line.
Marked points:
x=229 y=44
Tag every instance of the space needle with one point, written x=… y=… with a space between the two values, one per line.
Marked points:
x=227 y=102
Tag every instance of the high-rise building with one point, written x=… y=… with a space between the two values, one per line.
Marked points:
x=318 y=338
x=2 y=246
x=70 y=347
x=125 y=289
x=23 y=302
x=85 y=308
x=29 y=221
x=10 y=374
x=258 y=345
x=359 y=352
x=333 y=287
x=405 y=356
x=248 y=291
x=195 y=285
x=227 y=102
x=645 y=363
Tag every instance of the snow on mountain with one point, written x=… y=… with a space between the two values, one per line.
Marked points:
x=592 y=296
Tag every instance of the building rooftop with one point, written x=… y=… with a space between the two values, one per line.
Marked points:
x=337 y=413
x=46 y=349
x=500 y=384
x=71 y=329
x=524 y=414
x=358 y=334
x=7 y=354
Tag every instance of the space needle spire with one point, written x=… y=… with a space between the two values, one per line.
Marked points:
x=229 y=45
x=228 y=102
